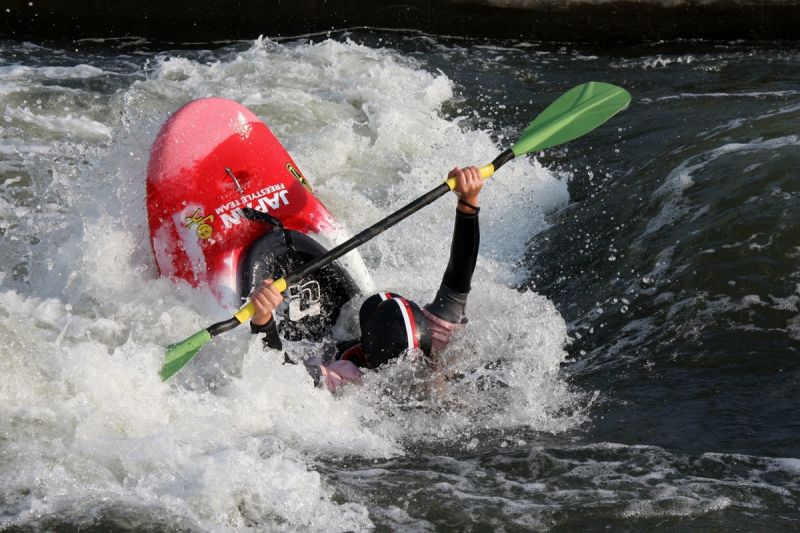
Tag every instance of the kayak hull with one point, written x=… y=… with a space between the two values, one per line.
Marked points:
x=227 y=206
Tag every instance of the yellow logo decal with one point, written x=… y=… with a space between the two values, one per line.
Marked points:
x=204 y=229
x=299 y=177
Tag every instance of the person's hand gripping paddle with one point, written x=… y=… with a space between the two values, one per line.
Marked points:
x=573 y=114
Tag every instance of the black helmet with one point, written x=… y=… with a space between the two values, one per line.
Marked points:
x=390 y=324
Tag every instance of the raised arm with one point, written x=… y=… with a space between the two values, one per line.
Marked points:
x=451 y=299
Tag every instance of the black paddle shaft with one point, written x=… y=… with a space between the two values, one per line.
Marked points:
x=354 y=242
x=381 y=226
x=357 y=240
x=376 y=229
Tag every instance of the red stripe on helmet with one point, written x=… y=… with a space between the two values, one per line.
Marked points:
x=410 y=323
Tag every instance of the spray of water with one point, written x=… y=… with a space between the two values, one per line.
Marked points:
x=86 y=422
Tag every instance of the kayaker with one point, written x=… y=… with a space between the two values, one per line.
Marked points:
x=390 y=324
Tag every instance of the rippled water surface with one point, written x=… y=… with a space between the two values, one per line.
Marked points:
x=631 y=358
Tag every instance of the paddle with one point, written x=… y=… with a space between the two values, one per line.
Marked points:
x=575 y=113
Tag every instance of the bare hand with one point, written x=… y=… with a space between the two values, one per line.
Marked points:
x=266 y=299
x=468 y=186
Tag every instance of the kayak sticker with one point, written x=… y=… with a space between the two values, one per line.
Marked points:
x=204 y=229
x=304 y=300
x=298 y=176
x=264 y=200
x=187 y=253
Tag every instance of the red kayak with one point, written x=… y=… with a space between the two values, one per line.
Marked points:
x=227 y=207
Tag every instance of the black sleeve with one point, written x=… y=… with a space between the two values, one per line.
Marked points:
x=451 y=299
x=463 y=252
x=272 y=338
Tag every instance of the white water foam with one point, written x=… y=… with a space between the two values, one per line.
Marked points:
x=231 y=442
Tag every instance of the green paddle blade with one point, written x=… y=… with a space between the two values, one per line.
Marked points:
x=577 y=112
x=180 y=353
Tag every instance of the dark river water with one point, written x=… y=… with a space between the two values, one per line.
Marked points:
x=632 y=356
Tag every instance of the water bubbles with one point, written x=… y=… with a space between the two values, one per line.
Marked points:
x=107 y=389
